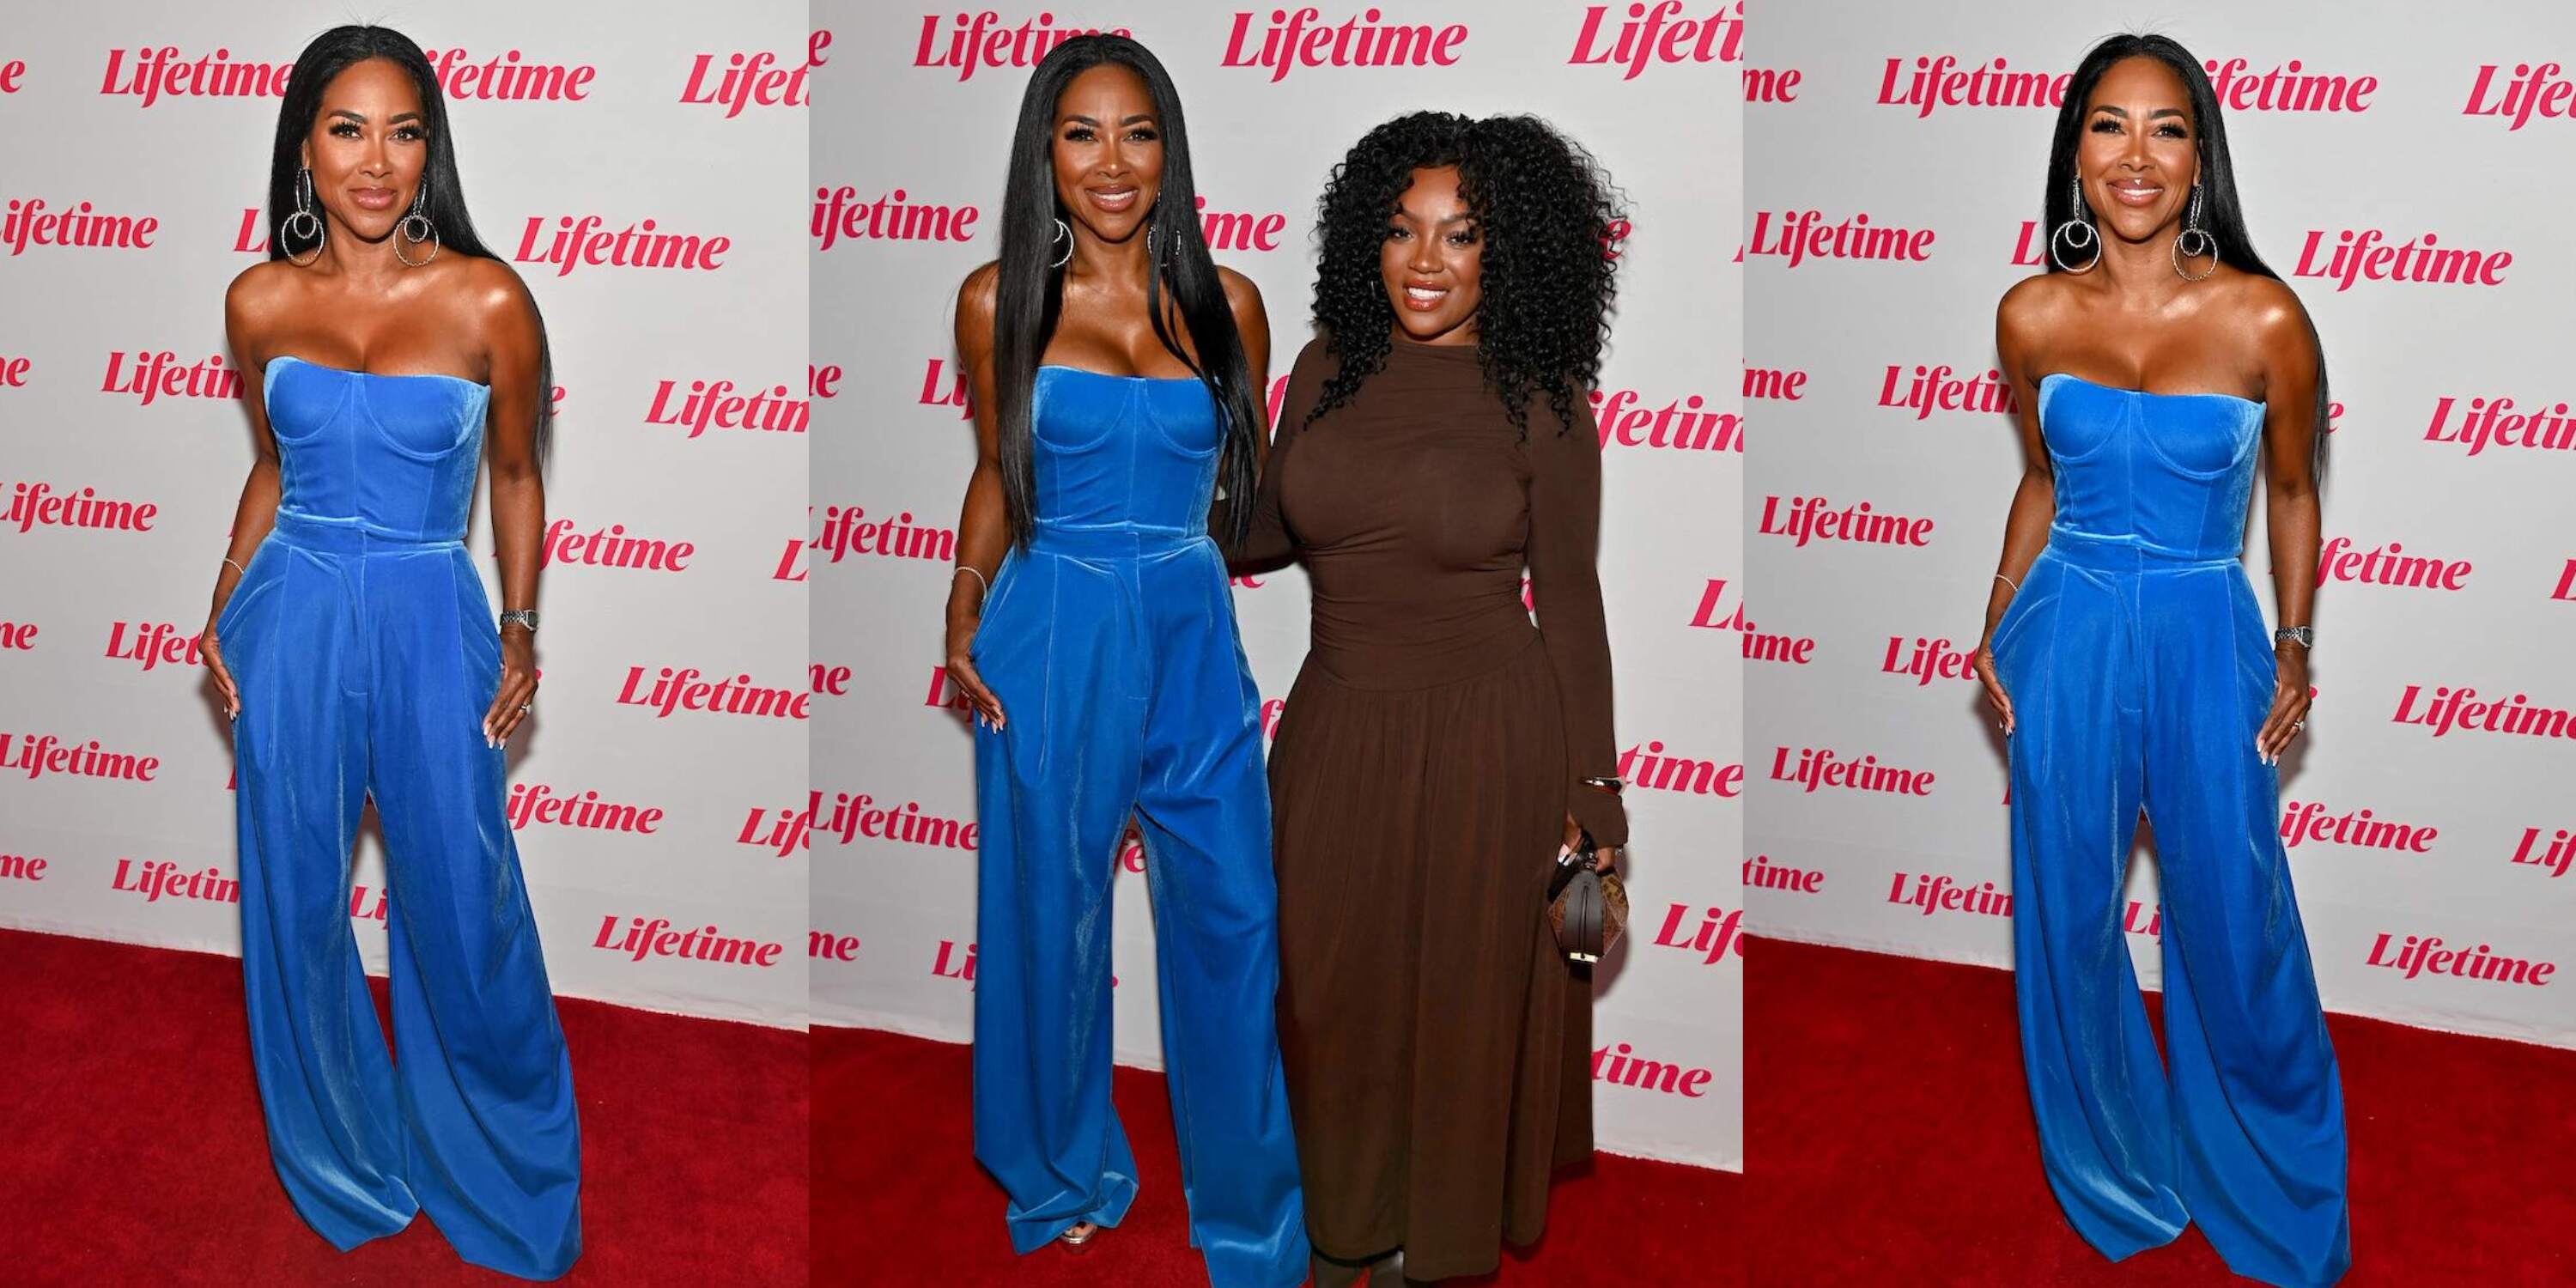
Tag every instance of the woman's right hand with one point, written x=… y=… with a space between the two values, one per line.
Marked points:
x=223 y=674
x=962 y=673
x=1995 y=695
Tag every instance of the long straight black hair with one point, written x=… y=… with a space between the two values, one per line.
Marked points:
x=333 y=52
x=1029 y=292
x=2221 y=214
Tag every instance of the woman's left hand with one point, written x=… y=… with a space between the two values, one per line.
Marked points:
x=518 y=685
x=1601 y=857
x=2289 y=703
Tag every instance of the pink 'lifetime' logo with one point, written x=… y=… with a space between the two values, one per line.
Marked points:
x=1659 y=33
x=2489 y=422
x=941 y=387
x=823 y=945
x=1714 y=937
x=45 y=754
x=1681 y=424
x=13 y=371
x=538 y=804
x=755 y=79
x=588 y=241
x=13 y=77
x=1942 y=82
x=1938 y=892
x=670 y=691
x=854 y=815
x=2554 y=858
x=159 y=374
x=1650 y=766
x=2366 y=255
x=1818 y=768
x=1803 y=235
x=2447 y=709
x=19 y=637
x=2388 y=565
x=2420 y=955
x=975 y=41
x=153 y=643
x=717 y=404
x=81 y=226
x=1802 y=519
x=846 y=530
x=23 y=867
x=1766 y=384
x=2534 y=89
x=658 y=938
x=1930 y=389
x=2301 y=823
x=782 y=831
x=162 y=878
x=1299 y=38
x=37 y=505
x=506 y=77
x=612 y=547
x=840 y=215
x=1620 y=1065
x=164 y=72
x=1926 y=659
x=1757 y=644
x=1761 y=872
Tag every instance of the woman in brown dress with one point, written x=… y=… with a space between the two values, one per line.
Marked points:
x=1439 y=752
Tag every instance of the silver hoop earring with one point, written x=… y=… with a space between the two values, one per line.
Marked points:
x=2077 y=233
x=302 y=224
x=419 y=219
x=1062 y=234
x=2208 y=245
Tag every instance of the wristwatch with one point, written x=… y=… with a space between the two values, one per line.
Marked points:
x=523 y=616
x=2303 y=636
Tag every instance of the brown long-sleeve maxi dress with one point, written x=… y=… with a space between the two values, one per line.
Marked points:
x=1436 y=1043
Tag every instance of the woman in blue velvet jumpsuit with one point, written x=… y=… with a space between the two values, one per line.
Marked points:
x=1116 y=376
x=359 y=658
x=2129 y=666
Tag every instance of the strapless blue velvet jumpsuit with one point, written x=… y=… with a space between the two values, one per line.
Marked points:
x=1110 y=640
x=2140 y=668
x=366 y=654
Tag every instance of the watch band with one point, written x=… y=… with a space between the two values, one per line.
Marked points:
x=2303 y=636
x=523 y=616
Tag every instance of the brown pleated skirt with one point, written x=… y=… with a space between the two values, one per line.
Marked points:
x=1436 y=1043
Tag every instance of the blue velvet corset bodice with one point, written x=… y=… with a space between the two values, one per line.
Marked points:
x=1123 y=452
x=2167 y=474
x=393 y=456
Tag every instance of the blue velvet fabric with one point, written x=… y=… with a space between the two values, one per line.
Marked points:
x=366 y=654
x=1110 y=640
x=2140 y=668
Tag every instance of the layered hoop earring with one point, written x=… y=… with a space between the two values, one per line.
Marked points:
x=2191 y=228
x=417 y=219
x=1064 y=234
x=301 y=223
x=2077 y=232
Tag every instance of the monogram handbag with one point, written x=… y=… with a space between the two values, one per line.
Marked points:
x=1587 y=909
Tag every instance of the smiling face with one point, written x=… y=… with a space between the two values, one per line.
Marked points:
x=367 y=148
x=1433 y=260
x=2139 y=153
x=1108 y=151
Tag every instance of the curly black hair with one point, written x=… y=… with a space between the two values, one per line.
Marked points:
x=1545 y=209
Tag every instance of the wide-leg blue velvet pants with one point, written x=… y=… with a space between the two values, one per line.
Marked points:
x=1114 y=653
x=365 y=663
x=2139 y=679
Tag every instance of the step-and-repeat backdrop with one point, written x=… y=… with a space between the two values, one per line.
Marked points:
x=915 y=118
x=639 y=165
x=2405 y=176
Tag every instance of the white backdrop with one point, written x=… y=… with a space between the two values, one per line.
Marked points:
x=563 y=113
x=917 y=134
x=1878 y=113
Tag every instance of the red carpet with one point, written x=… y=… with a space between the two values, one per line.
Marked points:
x=135 y=1152
x=898 y=1198
x=1890 y=1142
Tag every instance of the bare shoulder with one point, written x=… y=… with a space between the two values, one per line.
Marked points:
x=1240 y=293
x=2267 y=308
x=490 y=289
x=259 y=289
x=976 y=295
x=2031 y=304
